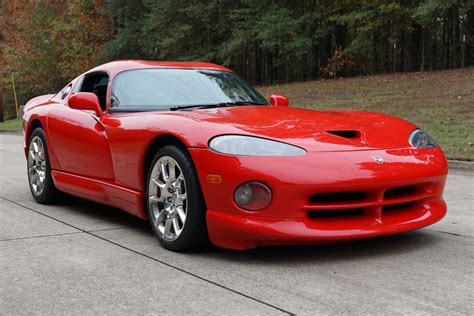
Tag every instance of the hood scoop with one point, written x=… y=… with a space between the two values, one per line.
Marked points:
x=349 y=134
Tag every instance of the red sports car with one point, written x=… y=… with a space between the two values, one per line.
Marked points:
x=204 y=156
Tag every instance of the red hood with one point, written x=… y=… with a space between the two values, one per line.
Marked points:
x=308 y=129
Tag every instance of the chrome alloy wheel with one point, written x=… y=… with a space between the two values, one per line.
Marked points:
x=167 y=198
x=36 y=165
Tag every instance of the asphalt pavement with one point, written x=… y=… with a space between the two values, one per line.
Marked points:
x=79 y=257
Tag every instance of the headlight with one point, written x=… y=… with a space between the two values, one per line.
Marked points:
x=252 y=146
x=420 y=139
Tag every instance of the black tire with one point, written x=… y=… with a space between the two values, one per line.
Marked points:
x=194 y=234
x=49 y=194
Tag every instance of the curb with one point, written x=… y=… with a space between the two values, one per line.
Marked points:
x=461 y=165
x=11 y=132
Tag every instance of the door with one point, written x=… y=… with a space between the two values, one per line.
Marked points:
x=78 y=138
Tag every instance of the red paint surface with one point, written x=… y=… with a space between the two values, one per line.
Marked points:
x=103 y=159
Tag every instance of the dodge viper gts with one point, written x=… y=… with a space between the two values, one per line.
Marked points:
x=202 y=155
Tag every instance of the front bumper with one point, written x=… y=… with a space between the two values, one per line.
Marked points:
x=246 y=232
x=294 y=180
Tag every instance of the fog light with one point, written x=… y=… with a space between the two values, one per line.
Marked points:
x=252 y=196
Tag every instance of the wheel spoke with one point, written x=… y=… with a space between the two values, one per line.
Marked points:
x=34 y=179
x=180 y=198
x=40 y=150
x=159 y=218
x=164 y=172
x=181 y=214
x=35 y=146
x=176 y=226
x=159 y=184
x=38 y=185
x=168 y=223
x=32 y=154
x=155 y=198
x=171 y=170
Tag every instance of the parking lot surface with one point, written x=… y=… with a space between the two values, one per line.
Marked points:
x=79 y=257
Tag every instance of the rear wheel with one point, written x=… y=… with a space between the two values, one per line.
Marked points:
x=175 y=204
x=39 y=169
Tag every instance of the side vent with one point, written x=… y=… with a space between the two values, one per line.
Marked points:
x=351 y=134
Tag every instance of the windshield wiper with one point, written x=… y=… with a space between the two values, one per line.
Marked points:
x=216 y=105
x=197 y=106
x=244 y=103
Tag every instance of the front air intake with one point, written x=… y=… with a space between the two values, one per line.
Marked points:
x=335 y=213
x=337 y=197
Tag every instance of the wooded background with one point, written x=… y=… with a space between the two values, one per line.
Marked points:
x=47 y=43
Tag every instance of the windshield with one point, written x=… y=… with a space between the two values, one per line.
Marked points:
x=168 y=88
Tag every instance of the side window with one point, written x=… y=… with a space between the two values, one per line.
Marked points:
x=77 y=86
x=65 y=92
x=96 y=83
x=62 y=95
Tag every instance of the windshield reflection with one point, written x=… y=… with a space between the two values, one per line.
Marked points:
x=165 y=88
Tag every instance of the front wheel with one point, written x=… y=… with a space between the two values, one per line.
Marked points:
x=175 y=204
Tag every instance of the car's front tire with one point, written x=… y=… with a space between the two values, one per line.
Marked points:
x=39 y=169
x=174 y=200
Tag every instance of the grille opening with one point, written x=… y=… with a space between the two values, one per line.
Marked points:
x=398 y=192
x=335 y=197
x=335 y=213
x=346 y=133
x=396 y=207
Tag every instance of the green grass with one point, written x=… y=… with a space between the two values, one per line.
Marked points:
x=441 y=103
x=10 y=125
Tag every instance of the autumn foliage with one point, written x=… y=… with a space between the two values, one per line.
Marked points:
x=46 y=43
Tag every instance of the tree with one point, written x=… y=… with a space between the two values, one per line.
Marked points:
x=30 y=54
x=48 y=42
x=80 y=35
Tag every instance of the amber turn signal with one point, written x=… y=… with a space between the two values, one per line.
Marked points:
x=214 y=178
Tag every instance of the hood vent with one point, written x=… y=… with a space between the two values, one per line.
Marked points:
x=350 y=134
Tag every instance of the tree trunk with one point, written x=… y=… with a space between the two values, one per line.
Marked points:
x=374 y=52
x=445 y=40
x=1 y=96
x=457 y=38
x=422 y=39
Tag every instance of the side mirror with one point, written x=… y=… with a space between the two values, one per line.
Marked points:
x=85 y=101
x=279 y=100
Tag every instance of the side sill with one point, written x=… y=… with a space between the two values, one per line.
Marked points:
x=102 y=192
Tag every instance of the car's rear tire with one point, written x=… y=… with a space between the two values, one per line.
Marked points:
x=39 y=169
x=174 y=200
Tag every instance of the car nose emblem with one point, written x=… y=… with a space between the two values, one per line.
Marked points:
x=378 y=159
